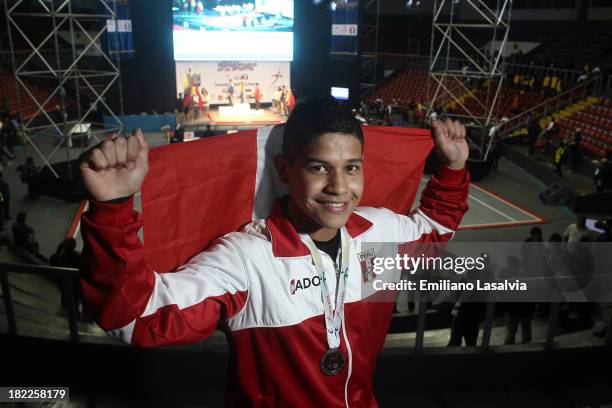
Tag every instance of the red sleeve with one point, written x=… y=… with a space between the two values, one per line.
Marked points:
x=445 y=199
x=140 y=306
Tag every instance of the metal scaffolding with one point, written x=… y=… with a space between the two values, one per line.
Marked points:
x=369 y=43
x=80 y=71
x=466 y=75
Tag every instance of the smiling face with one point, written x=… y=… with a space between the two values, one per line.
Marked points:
x=325 y=184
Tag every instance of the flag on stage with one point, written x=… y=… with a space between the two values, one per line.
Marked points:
x=198 y=191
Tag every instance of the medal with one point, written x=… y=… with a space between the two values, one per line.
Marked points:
x=332 y=362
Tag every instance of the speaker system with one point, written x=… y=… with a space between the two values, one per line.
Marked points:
x=556 y=193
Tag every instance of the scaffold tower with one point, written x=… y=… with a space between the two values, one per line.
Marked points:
x=65 y=53
x=467 y=62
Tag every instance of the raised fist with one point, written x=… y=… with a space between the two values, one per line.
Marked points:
x=449 y=138
x=116 y=168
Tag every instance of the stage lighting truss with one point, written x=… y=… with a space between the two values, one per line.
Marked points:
x=463 y=74
x=370 y=13
x=87 y=71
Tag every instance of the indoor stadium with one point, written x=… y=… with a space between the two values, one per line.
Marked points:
x=306 y=203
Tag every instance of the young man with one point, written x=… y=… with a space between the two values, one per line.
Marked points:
x=295 y=344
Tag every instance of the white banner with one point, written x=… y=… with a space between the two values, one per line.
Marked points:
x=215 y=78
x=125 y=26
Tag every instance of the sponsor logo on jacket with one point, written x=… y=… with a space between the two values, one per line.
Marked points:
x=304 y=283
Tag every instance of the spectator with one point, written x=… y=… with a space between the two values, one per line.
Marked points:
x=29 y=175
x=23 y=236
x=8 y=136
x=66 y=255
x=574 y=149
x=411 y=111
x=557 y=261
x=5 y=109
x=531 y=250
x=516 y=104
x=533 y=130
x=560 y=154
x=467 y=315
x=602 y=178
x=516 y=312
x=606 y=227
x=576 y=232
x=5 y=197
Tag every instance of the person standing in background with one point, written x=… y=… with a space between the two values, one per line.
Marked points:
x=257 y=96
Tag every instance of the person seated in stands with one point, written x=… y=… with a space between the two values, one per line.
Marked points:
x=66 y=255
x=23 y=235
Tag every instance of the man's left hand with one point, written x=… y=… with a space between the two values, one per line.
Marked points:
x=449 y=138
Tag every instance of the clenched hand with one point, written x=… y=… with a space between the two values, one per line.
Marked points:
x=116 y=168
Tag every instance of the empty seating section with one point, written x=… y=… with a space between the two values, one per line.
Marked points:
x=25 y=106
x=504 y=106
x=409 y=84
x=596 y=124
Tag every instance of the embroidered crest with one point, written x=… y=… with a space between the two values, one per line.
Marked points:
x=366 y=262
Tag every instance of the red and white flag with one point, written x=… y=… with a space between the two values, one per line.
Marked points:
x=201 y=190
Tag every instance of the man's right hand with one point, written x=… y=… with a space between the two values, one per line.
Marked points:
x=116 y=168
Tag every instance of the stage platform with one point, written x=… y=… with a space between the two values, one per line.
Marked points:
x=226 y=118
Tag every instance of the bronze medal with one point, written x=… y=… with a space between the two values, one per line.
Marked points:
x=332 y=362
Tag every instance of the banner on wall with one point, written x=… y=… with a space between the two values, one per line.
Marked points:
x=215 y=78
x=119 y=31
x=345 y=30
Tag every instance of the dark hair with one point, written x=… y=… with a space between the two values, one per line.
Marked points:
x=21 y=217
x=538 y=232
x=70 y=244
x=312 y=118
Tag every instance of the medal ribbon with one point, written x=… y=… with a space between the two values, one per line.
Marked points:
x=333 y=312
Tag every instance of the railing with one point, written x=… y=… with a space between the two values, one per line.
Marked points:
x=578 y=92
x=68 y=278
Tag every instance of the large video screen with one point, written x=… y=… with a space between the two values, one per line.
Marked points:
x=231 y=30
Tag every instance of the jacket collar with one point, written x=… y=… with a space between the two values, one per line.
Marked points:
x=286 y=242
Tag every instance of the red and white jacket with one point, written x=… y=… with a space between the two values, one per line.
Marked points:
x=254 y=284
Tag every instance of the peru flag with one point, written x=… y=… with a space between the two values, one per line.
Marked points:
x=197 y=191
